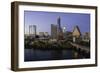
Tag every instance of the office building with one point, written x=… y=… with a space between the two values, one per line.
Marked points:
x=32 y=30
x=53 y=31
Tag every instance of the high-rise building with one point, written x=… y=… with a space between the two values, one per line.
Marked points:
x=54 y=31
x=59 y=23
x=32 y=30
x=59 y=29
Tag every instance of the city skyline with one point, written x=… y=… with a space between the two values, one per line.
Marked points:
x=43 y=21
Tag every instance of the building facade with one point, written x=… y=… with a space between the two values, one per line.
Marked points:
x=32 y=30
x=53 y=31
x=76 y=33
x=59 y=29
x=86 y=37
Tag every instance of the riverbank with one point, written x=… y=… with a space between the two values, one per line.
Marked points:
x=45 y=45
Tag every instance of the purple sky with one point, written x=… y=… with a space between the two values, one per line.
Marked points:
x=43 y=20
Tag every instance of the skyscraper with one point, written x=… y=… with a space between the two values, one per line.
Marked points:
x=32 y=30
x=59 y=29
x=59 y=23
x=54 y=31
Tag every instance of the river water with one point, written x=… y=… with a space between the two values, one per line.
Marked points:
x=41 y=55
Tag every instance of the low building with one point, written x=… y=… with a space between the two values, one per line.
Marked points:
x=46 y=34
x=41 y=34
x=68 y=35
x=86 y=37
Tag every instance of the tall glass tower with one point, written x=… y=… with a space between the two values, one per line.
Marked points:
x=59 y=29
x=59 y=23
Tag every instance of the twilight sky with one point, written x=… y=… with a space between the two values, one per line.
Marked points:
x=43 y=20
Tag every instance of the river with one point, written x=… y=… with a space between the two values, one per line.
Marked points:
x=41 y=55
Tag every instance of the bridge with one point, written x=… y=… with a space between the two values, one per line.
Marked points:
x=84 y=48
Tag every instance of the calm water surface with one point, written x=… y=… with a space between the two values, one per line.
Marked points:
x=39 y=55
